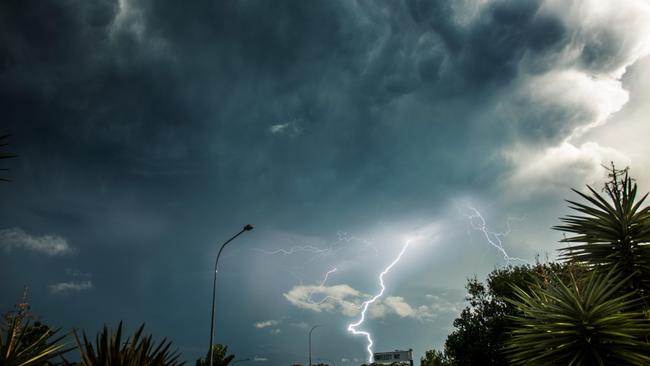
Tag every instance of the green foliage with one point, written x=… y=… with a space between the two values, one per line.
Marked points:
x=24 y=345
x=434 y=358
x=111 y=350
x=584 y=322
x=612 y=231
x=483 y=327
x=220 y=356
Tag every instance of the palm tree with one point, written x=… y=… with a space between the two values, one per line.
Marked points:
x=111 y=350
x=612 y=231
x=20 y=346
x=220 y=354
x=584 y=322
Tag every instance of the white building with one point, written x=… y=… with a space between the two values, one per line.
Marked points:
x=396 y=357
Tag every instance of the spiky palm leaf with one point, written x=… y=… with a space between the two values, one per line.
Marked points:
x=220 y=356
x=586 y=323
x=613 y=232
x=110 y=350
x=15 y=351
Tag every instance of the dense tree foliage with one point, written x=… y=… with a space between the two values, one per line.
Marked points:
x=483 y=327
x=434 y=358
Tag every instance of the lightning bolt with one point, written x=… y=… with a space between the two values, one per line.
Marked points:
x=364 y=307
x=299 y=248
x=321 y=286
x=477 y=221
x=343 y=241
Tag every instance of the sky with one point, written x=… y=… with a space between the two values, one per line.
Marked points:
x=149 y=132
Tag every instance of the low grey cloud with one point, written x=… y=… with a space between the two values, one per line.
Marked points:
x=292 y=128
x=78 y=282
x=266 y=324
x=341 y=298
x=347 y=301
x=16 y=238
x=71 y=286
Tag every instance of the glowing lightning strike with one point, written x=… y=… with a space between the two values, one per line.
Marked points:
x=332 y=249
x=364 y=307
x=478 y=222
x=321 y=286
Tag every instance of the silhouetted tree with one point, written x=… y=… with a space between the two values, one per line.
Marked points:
x=26 y=344
x=434 y=358
x=220 y=356
x=110 y=349
x=483 y=327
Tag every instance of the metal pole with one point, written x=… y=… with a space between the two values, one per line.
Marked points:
x=311 y=330
x=214 y=289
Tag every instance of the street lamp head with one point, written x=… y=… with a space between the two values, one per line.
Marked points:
x=248 y=227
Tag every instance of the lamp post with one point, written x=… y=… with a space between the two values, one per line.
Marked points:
x=311 y=330
x=214 y=287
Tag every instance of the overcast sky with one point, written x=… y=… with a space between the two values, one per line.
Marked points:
x=148 y=132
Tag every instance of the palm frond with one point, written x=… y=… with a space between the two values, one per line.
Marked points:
x=16 y=349
x=138 y=350
x=611 y=231
x=577 y=323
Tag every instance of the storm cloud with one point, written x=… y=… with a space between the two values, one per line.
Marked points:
x=149 y=130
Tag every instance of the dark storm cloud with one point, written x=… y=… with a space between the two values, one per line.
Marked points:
x=149 y=88
x=146 y=128
x=491 y=47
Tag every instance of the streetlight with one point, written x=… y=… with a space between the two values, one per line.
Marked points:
x=248 y=227
x=311 y=330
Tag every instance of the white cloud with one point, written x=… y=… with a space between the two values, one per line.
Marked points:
x=440 y=305
x=346 y=300
x=400 y=307
x=580 y=89
x=16 y=238
x=275 y=129
x=265 y=324
x=275 y=331
x=566 y=165
x=260 y=359
x=71 y=286
x=340 y=298
x=80 y=282
x=291 y=128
